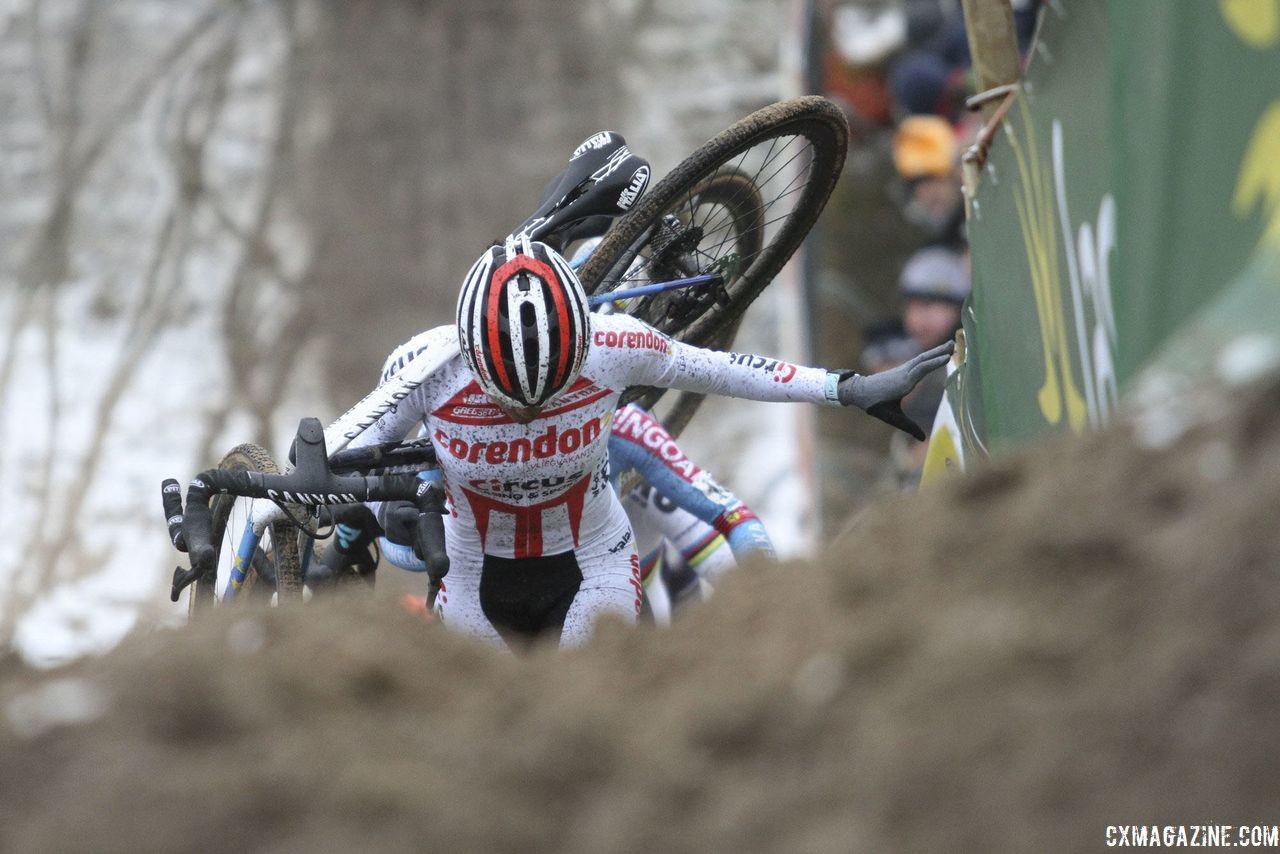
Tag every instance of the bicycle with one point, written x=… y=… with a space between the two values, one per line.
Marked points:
x=688 y=257
x=268 y=548
x=740 y=205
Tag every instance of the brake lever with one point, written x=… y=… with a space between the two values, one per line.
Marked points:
x=429 y=533
x=201 y=563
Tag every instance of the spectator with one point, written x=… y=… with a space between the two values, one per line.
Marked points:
x=934 y=284
x=926 y=156
x=886 y=345
x=922 y=83
x=931 y=76
x=859 y=42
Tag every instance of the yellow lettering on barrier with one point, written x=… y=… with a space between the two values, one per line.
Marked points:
x=1257 y=24
x=1259 y=182
x=1040 y=237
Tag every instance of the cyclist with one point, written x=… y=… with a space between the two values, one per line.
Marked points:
x=689 y=530
x=519 y=411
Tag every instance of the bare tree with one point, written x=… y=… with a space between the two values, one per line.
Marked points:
x=225 y=213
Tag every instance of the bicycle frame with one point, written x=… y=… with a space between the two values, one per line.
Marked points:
x=243 y=559
x=655 y=288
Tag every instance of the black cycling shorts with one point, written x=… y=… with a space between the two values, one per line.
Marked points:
x=526 y=597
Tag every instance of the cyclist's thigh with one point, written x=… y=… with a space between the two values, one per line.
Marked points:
x=458 y=604
x=712 y=564
x=655 y=589
x=610 y=583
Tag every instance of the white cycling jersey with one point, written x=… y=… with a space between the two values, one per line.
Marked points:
x=524 y=492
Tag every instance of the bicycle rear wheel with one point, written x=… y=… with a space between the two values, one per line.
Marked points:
x=730 y=197
x=275 y=556
x=740 y=205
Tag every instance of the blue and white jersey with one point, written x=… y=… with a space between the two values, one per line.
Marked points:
x=679 y=513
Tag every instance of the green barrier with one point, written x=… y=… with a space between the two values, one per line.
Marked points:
x=1134 y=183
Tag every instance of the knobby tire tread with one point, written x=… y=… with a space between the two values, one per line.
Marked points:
x=284 y=540
x=827 y=131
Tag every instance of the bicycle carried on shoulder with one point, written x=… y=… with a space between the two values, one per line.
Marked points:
x=687 y=257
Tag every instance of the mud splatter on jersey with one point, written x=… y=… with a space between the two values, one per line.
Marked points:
x=520 y=490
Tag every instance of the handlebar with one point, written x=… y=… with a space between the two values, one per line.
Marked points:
x=312 y=484
x=418 y=453
x=171 y=495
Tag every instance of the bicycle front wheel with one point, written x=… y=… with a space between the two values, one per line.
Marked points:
x=740 y=205
x=273 y=565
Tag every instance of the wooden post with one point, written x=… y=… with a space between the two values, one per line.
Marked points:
x=993 y=47
x=993 y=44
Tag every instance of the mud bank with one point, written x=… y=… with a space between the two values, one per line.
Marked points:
x=1082 y=635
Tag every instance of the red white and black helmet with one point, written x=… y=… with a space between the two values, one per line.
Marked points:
x=522 y=323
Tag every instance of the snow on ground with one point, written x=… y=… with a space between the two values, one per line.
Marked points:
x=117 y=361
x=118 y=371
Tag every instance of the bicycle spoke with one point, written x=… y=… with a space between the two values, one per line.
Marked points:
x=750 y=195
x=769 y=159
x=794 y=186
x=726 y=222
x=800 y=179
x=752 y=178
x=778 y=171
x=763 y=226
x=766 y=207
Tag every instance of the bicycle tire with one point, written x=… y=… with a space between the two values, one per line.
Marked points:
x=737 y=194
x=620 y=260
x=281 y=551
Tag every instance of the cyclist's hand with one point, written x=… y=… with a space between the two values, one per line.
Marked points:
x=400 y=521
x=881 y=394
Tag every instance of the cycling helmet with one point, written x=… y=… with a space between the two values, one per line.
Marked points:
x=522 y=323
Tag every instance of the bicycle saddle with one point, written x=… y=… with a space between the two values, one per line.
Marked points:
x=602 y=181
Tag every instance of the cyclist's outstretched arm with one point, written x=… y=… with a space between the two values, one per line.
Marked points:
x=673 y=364
x=639 y=442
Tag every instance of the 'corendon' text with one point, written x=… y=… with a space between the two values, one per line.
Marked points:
x=647 y=340
x=520 y=450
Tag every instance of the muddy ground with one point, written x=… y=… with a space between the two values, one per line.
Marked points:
x=1079 y=636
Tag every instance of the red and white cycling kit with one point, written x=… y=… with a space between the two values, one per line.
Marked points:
x=521 y=493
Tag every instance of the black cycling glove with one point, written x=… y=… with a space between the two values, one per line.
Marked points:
x=881 y=394
x=400 y=521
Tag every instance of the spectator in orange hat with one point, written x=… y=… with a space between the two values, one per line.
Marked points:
x=926 y=156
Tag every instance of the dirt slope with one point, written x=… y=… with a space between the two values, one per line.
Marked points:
x=1080 y=636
